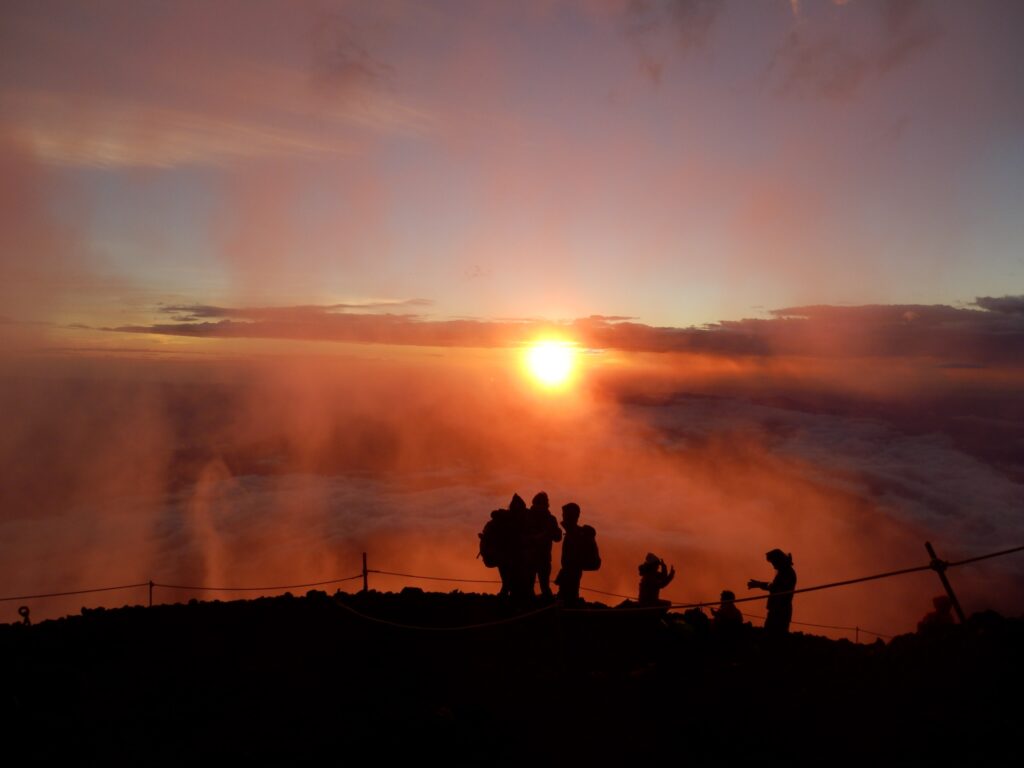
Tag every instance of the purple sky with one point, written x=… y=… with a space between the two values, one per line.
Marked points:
x=676 y=162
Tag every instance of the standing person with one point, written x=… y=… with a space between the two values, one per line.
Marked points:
x=654 y=576
x=496 y=547
x=579 y=554
x=780 y=604
x=541 y=532
x=518 y=563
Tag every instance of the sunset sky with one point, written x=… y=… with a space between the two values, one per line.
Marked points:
x=677 y=162
x=279 y=259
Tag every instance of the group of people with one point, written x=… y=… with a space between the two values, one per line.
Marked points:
x=519 y=540
x=655 y=575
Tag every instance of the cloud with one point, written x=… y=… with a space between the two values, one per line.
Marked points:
x=947 y=335
x=285 y=469
x=1010 y=305
x=658 y=28
x=44 y=263
x=192 y=312
x=285 y=82
x=827 y=57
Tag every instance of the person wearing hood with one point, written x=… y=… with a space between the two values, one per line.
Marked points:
x=541 y=532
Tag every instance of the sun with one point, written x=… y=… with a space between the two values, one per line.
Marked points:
x=550 y=362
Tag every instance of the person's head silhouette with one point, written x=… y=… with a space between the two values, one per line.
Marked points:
x=778 y=558
x=570 y=513
x=540 y=501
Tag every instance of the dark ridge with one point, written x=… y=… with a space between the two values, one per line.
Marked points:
x=296 y=679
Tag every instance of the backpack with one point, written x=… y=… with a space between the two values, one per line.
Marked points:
x=492 y=541
x=586 y=549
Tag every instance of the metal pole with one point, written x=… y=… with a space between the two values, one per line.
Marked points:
x=939 y=566
x=366 y=585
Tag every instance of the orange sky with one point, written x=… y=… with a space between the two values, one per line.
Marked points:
x=268 y=271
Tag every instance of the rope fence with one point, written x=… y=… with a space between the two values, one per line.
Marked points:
x=936 y=564
x=255 y=589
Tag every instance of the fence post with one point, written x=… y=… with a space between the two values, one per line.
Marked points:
x=939 y=566
x=150 y=593
x=366 y=585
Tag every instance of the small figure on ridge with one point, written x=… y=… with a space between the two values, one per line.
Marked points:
x=654 y=576
x=727 y=617
x=942 y=616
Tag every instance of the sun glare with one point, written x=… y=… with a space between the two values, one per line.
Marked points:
x=551 y=362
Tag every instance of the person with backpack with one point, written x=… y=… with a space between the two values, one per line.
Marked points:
x=579 y=554
x=502 y=546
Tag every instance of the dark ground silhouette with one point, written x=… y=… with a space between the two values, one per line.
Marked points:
x=296 y=679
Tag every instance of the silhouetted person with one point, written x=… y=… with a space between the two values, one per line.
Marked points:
x=541 y=532
x=494 y=546
x=942 y=616
x=727 y=617
x=780 y=605
x=579 y=554
x=501 y=546
x=654 y=576
x=520 y=574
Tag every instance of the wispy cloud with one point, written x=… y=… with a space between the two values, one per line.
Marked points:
x=828 y=58
x=946 y=334
x=113 y=133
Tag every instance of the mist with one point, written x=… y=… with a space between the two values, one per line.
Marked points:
x=263 y=469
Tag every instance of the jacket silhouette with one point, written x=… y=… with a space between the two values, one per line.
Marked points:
x=654 y=576
x=780 y=605
x=541 y=532
x=579 y=554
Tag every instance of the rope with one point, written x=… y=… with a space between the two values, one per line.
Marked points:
x=935 y=565
x=480 y=581
x=255 y=589
x=483 y=625
x=432 y=578
x=75 y=592
x=824 y=626
x=830 y=585
x=610 y=594
x=984 y=557
x=619 y=610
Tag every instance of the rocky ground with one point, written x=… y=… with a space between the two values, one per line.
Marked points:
x=345 y=679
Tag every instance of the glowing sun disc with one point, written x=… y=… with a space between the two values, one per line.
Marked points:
x=551 y=362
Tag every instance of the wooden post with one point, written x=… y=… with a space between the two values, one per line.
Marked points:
x=366 y=585
x=150 y=593
x=939 y=566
